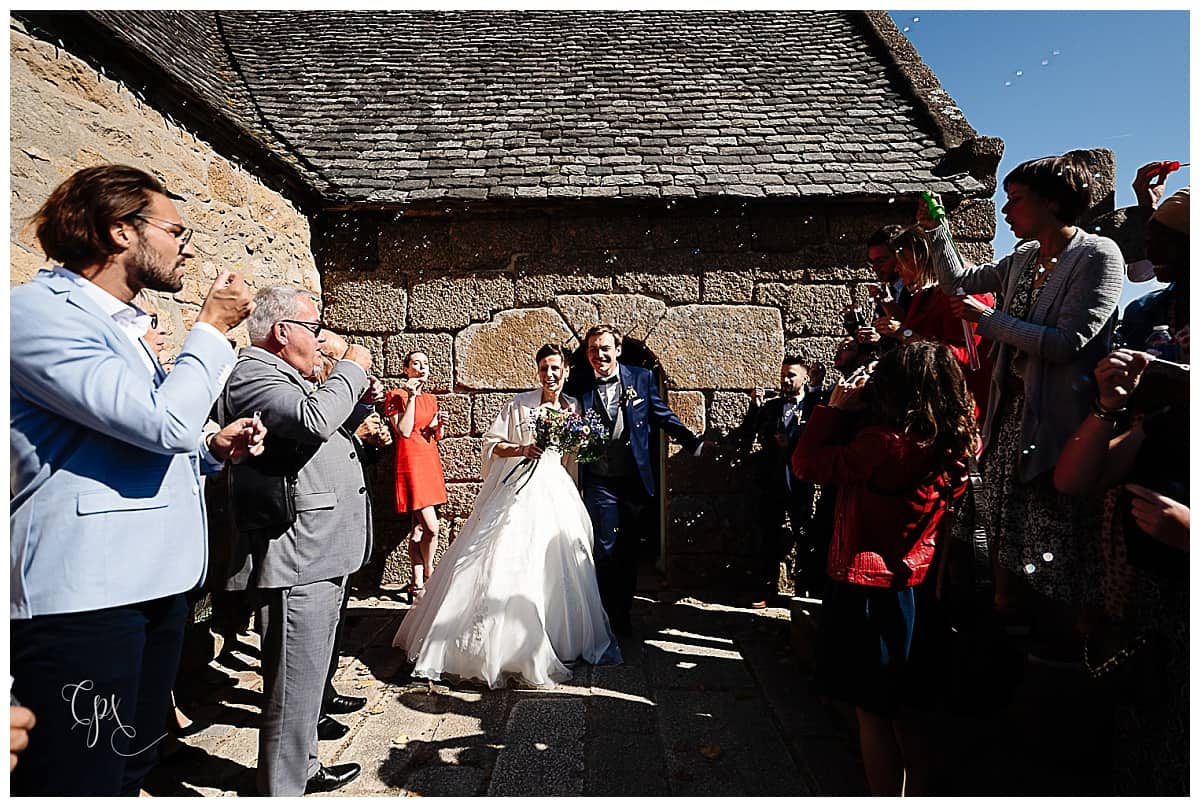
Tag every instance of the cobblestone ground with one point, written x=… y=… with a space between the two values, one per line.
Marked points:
x=710 y=701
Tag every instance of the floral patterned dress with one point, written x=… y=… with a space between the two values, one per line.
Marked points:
x=1043 y=536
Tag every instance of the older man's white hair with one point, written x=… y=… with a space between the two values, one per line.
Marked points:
x=272 y=304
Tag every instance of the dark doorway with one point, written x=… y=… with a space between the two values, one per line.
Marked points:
x=634 y=353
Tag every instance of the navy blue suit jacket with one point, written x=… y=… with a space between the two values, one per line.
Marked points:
x=644 y=408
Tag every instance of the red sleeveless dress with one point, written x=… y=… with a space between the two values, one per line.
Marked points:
x=419 y=480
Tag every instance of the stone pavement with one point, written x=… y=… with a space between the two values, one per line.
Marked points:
x=711 y=700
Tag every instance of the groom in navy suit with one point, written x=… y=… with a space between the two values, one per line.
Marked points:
x=619 y=486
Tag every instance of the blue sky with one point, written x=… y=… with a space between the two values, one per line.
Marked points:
x=1111 y=79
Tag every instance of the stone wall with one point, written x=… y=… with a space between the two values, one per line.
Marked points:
x=64 y=116
x=716 y=291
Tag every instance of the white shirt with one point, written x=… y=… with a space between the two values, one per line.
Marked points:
x=791 y=409
x=130 y=320
x=610 y=393
x=133 y=322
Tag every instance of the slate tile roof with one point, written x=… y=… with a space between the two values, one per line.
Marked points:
x=398 y=107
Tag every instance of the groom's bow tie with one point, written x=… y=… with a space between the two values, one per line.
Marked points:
x=612 y=379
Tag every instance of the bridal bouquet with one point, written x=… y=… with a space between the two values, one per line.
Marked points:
x=582 y=436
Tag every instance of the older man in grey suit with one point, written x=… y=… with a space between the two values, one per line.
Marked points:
x=299 y=571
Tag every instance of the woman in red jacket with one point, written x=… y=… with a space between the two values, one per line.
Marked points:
x=929 y=316
x=895 y=441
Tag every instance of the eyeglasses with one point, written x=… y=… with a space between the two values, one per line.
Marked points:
x=184 y=234
x=314 y=328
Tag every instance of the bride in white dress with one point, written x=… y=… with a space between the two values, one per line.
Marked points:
x=515 y=595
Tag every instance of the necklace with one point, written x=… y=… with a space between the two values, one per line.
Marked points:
x=1045 y=268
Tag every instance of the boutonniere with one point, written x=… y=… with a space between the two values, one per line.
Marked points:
x=631 y=395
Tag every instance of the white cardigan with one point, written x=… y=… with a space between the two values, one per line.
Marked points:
x=514 y=424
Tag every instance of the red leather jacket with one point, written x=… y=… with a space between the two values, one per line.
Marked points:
x=929 y=314
x=889 y=503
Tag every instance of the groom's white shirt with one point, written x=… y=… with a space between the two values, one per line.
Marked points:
x=610 y=394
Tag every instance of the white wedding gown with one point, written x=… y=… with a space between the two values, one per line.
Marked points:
x=514 y=597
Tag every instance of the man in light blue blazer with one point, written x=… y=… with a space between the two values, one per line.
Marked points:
x=106 y=512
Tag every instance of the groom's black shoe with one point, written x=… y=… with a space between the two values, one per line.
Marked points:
x=342 y=705
x=330 y=729
x=331 y=777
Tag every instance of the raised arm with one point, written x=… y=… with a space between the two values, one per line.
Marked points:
x=402 y=409
x=1096 y=457
x=69 y=368
x=289 y=411
x=953 y=275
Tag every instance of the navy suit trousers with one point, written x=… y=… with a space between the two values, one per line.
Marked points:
x=616 y=506
x=99 y=685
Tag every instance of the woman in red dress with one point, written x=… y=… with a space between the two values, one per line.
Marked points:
x=929 y=316
x=420 y=486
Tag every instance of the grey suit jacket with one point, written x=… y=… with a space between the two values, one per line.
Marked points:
x=1065 y=334
x=332 y=533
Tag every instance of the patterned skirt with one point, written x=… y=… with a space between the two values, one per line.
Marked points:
x=1046 y=538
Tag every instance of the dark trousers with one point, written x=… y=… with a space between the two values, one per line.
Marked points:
x=99 y=684
x=820 y=534
x=776 y=505
x=616 y=506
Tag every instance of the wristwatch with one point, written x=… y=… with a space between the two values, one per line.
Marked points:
x=905 y=335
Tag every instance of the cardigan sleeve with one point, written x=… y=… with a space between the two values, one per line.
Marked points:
x=1089 y=301
x=952 y=275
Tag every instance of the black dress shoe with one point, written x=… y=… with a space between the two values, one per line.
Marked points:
x=330 y=729
x=342 y=705
x=331 y=777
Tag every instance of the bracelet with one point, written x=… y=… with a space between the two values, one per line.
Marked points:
x=1111 y=415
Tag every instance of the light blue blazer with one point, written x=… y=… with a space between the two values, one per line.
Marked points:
x=104 y=481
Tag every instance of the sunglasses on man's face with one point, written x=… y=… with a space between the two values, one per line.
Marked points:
x=314 y=328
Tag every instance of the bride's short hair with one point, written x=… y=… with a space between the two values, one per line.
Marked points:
x=551 y=349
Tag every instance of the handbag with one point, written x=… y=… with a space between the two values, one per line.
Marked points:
x=260 y=499
x=262 y=489
x=985 y=666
